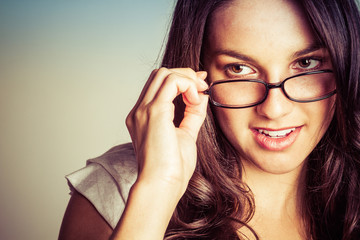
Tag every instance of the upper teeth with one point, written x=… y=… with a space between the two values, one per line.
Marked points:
x=281 y=133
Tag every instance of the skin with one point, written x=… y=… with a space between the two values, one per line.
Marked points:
x=82 y=221
x=167 y=158
x=254 y=42
x=272 y=53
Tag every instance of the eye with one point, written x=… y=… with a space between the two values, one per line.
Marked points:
x=308 y=63
x=238 y=69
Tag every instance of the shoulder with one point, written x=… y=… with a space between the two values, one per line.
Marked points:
x=106 y=181
x=83 y=221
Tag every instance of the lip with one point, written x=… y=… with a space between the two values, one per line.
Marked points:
x=276 y=144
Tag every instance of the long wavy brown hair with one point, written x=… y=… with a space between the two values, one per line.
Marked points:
x=217 y=202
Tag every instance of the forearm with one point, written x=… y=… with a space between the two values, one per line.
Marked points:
x=148 y=211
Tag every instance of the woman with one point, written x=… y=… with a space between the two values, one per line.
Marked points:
x=275 y=155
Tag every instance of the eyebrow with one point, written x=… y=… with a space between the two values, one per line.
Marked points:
x=312 y=48
x=234 y=54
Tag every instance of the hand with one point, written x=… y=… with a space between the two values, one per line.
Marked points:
x=166 y=154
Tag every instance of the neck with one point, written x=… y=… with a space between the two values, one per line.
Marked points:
x=277 y=203
x=278 y=194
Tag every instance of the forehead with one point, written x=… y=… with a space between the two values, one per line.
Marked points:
x=257 y=24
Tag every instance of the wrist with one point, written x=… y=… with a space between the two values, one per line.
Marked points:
x=149 y=207
x=164 y=188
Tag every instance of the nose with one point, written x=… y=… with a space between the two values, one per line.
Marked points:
x=276 y=105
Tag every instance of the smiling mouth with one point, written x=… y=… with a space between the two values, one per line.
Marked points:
x=276 y=134
x=276 y=140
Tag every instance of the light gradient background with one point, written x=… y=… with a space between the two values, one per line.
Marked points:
x=70 y=71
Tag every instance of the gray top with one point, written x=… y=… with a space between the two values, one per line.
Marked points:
x=106 y=181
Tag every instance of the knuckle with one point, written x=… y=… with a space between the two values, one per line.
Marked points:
x=162 y=70
x=154 y=71
x=190 y=73
x=129 y=120
x=189 y=70
x=136 y=117
x=186 y=72
x=140 y=114
x=171 y=78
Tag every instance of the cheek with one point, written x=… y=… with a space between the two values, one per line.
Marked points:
x=320 y=118
x=233 y=122
x=325 y=113
x=222 y=118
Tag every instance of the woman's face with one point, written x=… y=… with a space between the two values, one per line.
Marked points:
x=269 y=40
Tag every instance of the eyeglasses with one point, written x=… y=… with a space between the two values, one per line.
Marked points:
x=241 y=93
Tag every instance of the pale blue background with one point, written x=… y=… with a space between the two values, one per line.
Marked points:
x=70 y=71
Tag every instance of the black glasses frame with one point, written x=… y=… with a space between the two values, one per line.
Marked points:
x=268 y=86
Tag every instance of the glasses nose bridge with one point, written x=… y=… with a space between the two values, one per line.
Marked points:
x=274 y=85
x=270 y=86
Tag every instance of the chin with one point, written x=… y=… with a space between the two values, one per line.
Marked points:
x=274 y=163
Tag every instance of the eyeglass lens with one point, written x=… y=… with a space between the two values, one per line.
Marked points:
x=242 y=93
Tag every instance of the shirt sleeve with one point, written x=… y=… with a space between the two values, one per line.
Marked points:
x=106 y=181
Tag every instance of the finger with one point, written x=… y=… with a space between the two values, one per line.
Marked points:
x=174 y=85
x=176 y=80
x=202 y=75
x=194 y=116
x=162 y=75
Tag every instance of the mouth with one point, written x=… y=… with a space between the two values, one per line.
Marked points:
x=276 y=140
x=276 y=134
